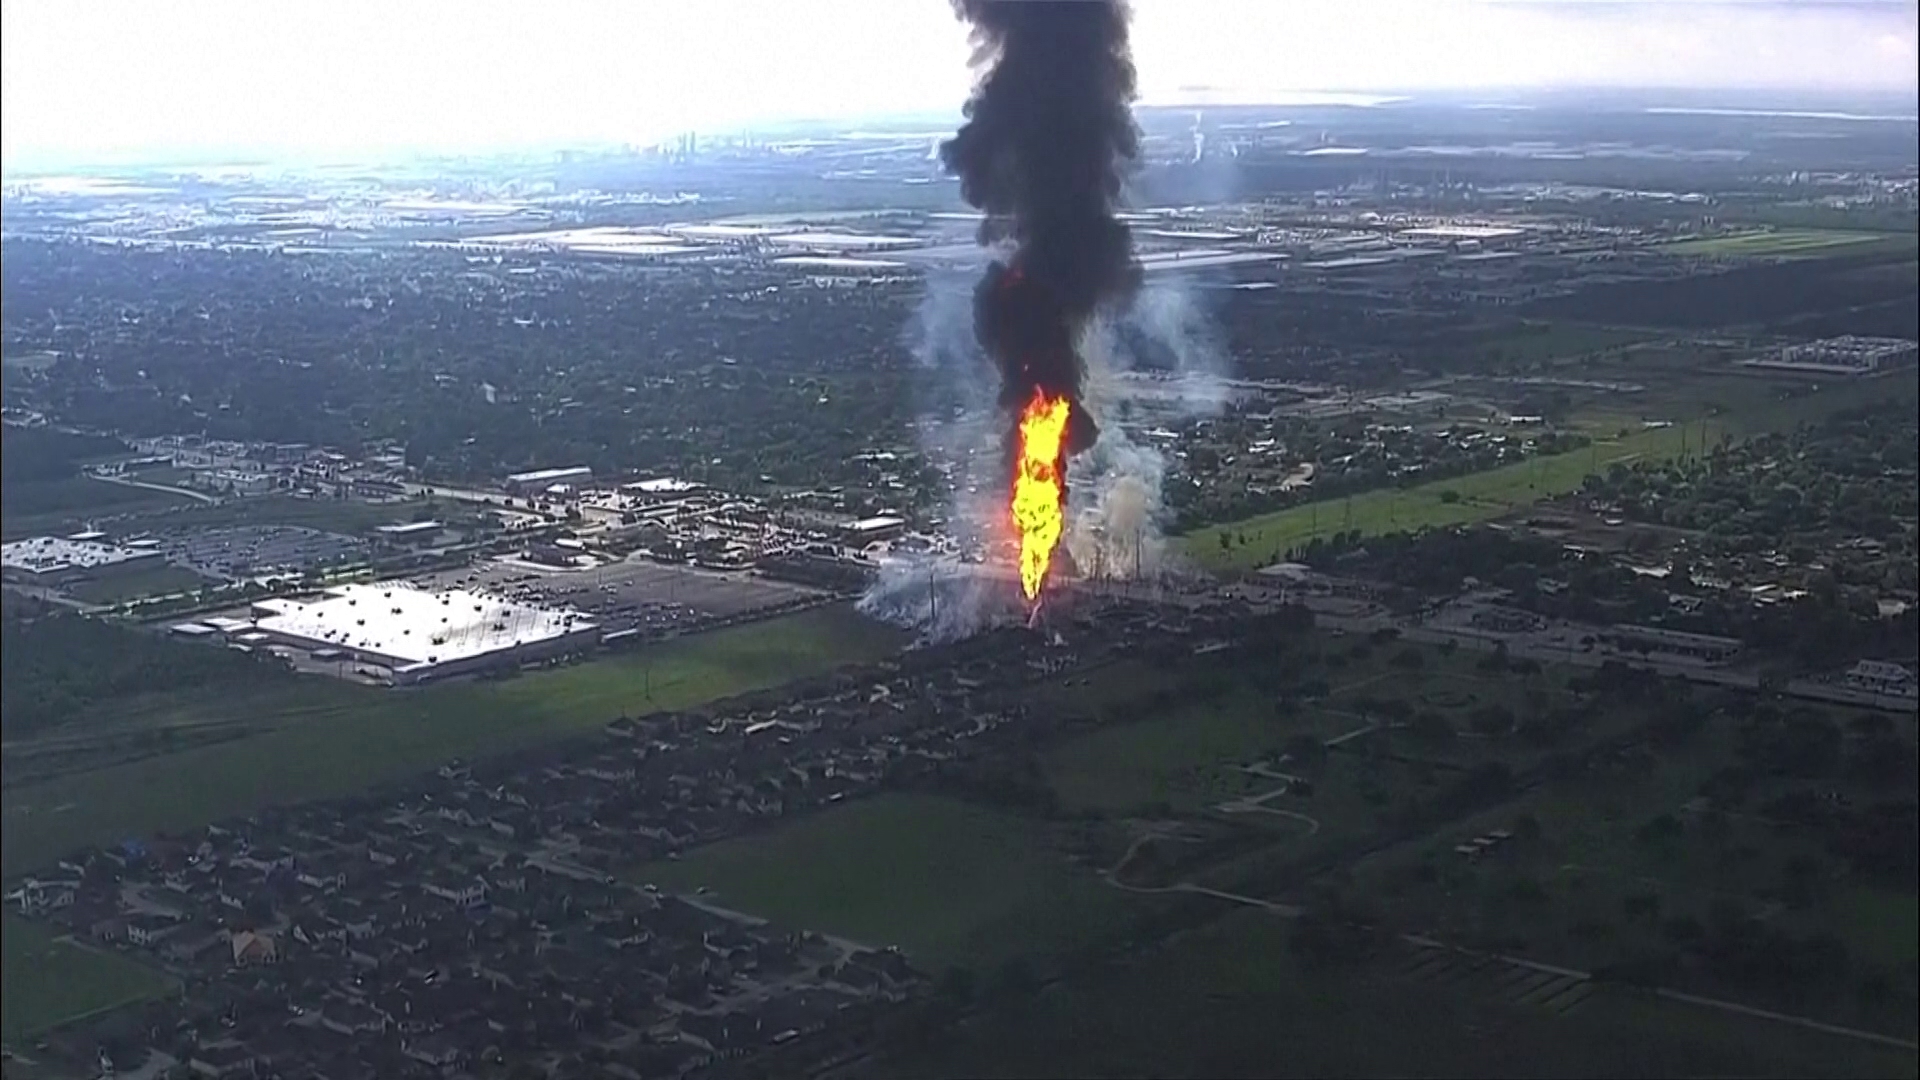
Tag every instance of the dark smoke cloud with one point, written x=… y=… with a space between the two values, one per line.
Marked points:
x=1048 y=141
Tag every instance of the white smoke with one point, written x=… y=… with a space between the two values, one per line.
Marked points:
x=1116 y=513
x=941 y=598
x=1116 y=523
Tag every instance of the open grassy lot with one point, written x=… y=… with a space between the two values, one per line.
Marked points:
x=1538 y=341
x=331 y=515
x=1458 y=501
x=38 y=507
x=1187 y=758
x=48 y=982
x=151 y=581
x=1778 y=243
x=324 y=738
x=1625 y=862
x=946 y=882
x=1232 y=1000
x=1702 y=408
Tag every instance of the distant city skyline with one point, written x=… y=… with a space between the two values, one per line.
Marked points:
x=86 y=81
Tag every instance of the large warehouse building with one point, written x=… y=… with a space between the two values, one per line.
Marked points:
x=421 y=634
x=1845 y=355
x=50 y=560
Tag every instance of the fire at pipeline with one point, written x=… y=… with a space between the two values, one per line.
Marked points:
x=1040 y=487
x=1048 y=139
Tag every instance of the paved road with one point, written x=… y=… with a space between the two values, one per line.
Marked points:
x=199 y=496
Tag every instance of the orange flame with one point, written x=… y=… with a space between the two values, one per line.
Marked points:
x=1039 y=487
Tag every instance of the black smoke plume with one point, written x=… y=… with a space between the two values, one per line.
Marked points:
x=1049 y=138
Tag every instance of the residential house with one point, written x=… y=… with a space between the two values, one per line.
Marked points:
x=223 y=1060
x=145 y=930
x=40 y=897
x=252 y=949
x=348 y=1018
x=1882 y=677
x=467 y=894
x=193 y=942
x=437 y=1052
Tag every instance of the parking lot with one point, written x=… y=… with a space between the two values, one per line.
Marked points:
x=636 y=594
x=238 y=551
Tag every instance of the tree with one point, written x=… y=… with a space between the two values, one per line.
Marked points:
x=1526 y=828
x=1492 y=720
x=1641 y=907
x=1800 y=881
x=1430 y=725
x=957 y=984
x=1017 y=978
x=1660 y=828
x=1305 y=749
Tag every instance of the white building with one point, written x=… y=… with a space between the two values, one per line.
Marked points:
x=421 y=634
x=1881 y=677
x=1845 y=355
x=49 y=560
x=542 y=479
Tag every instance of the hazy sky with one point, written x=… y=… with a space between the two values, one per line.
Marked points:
x=101 y=79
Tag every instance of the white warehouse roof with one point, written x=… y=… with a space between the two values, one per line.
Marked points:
x=415 y=626
x=50 y=554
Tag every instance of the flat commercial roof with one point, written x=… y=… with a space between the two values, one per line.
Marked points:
x=1195 y=260
x=409 y=528
x=664 y=485
x=847 y=241
x=874 y=524
x=1463 y=232
x=420 y=626
x=51 y=554
x=539 y=475
x=1351 y=262
x=839 y=262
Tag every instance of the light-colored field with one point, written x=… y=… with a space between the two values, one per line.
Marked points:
x=1772 y=243
x=1703 y=409
x=1458 y=501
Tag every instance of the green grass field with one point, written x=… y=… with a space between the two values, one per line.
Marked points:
x=332 y=515
x=327 y=738
x=152 y=581
x=1703 y=409
x=1589 y=858
x=1188 y=758
x=1231 y=1000
x=1476 y=497
x=1534 y=342
x=52 y=506
x=48 y=982
x=1779 y=243
x=946 y=882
